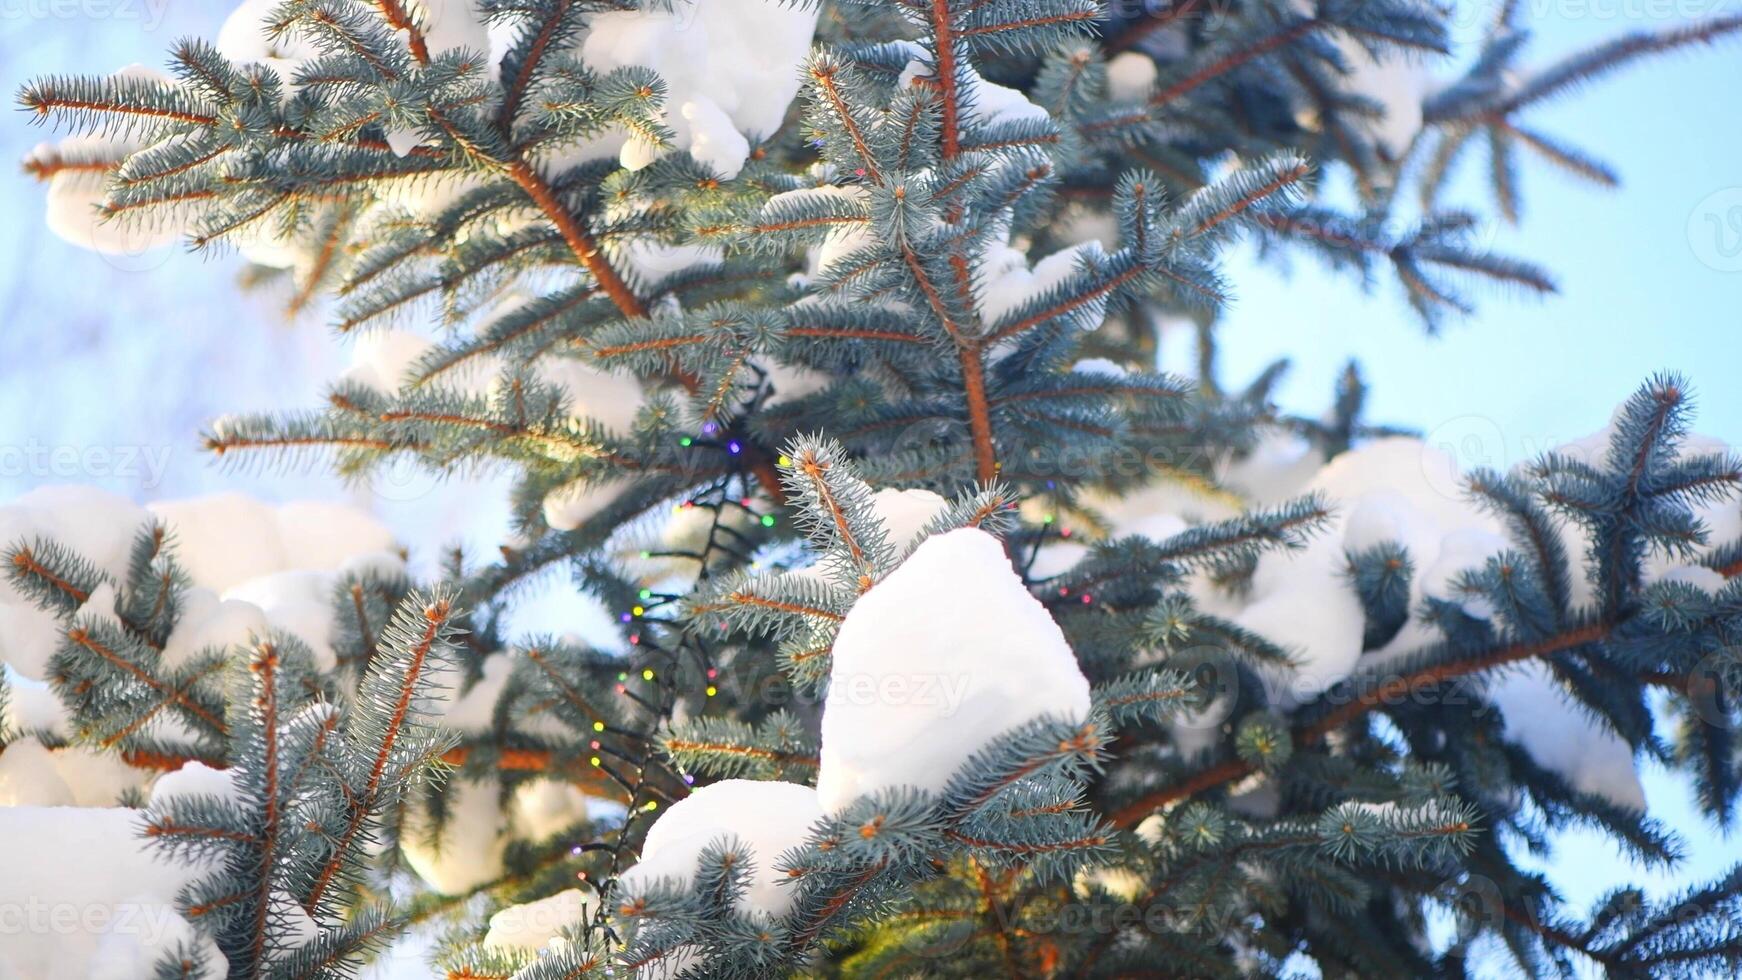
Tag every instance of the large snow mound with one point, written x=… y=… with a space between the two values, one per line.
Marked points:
x=113 y=916
x=766 y=816
x=252 y=565
x=538 y=925
x=938 y=659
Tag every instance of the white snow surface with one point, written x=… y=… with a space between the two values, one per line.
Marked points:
x=1130 y=76
x=74 y=193
x=988 y=103
x=117 y=916
x=1393 y=489
x=534 y=926
x=382 y=359
x=226 y=539
x=255 y=567
x=1562 y=739
x=449 y=25
x=243 y=39
x=1098 y=367
x=468 y=851
x=1005 y=282
x=545 y=807
x=573 y=504
x=29 y=776
x=1276 y=470
x=766 y=816
x=1403 y=491
x=948 y=652
x=905 y=513
x=33 y=775
x=731 y=68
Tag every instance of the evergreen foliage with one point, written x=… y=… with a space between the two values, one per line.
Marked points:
x=1205 y=817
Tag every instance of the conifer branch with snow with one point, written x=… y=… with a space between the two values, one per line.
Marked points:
x=953 y=636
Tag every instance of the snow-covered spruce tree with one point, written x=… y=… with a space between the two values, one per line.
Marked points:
x=954 y=639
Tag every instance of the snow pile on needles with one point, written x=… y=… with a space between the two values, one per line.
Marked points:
x=117 y=917
x=1404 y=491
x=924 y=676
x=253 y=567
x=947 y=653
x=730 y=70
x=730 y=67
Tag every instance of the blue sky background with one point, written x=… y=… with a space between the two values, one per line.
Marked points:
x=140 y=352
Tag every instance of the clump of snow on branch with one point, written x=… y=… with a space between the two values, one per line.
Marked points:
x=245 y=39
x=1721 y=517
x=905 y=513
x=1130 y=76
x=467 y=847
x=252 y=565
x=984 y=102
x=938 y=659
x=450 y=25
x=766 y=816
x=730 y=67
x=118 y=915
x=1276 y=469
x=538 y=925
x=1397 y=83
x=1402 y=491
x=1388 y=490
x=383 y=360
x=443 y=25
x=79 y=165
x=226 y=539
x=465 y=850
x=1562 y=739
x=1006 y=281
x=33 y=775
